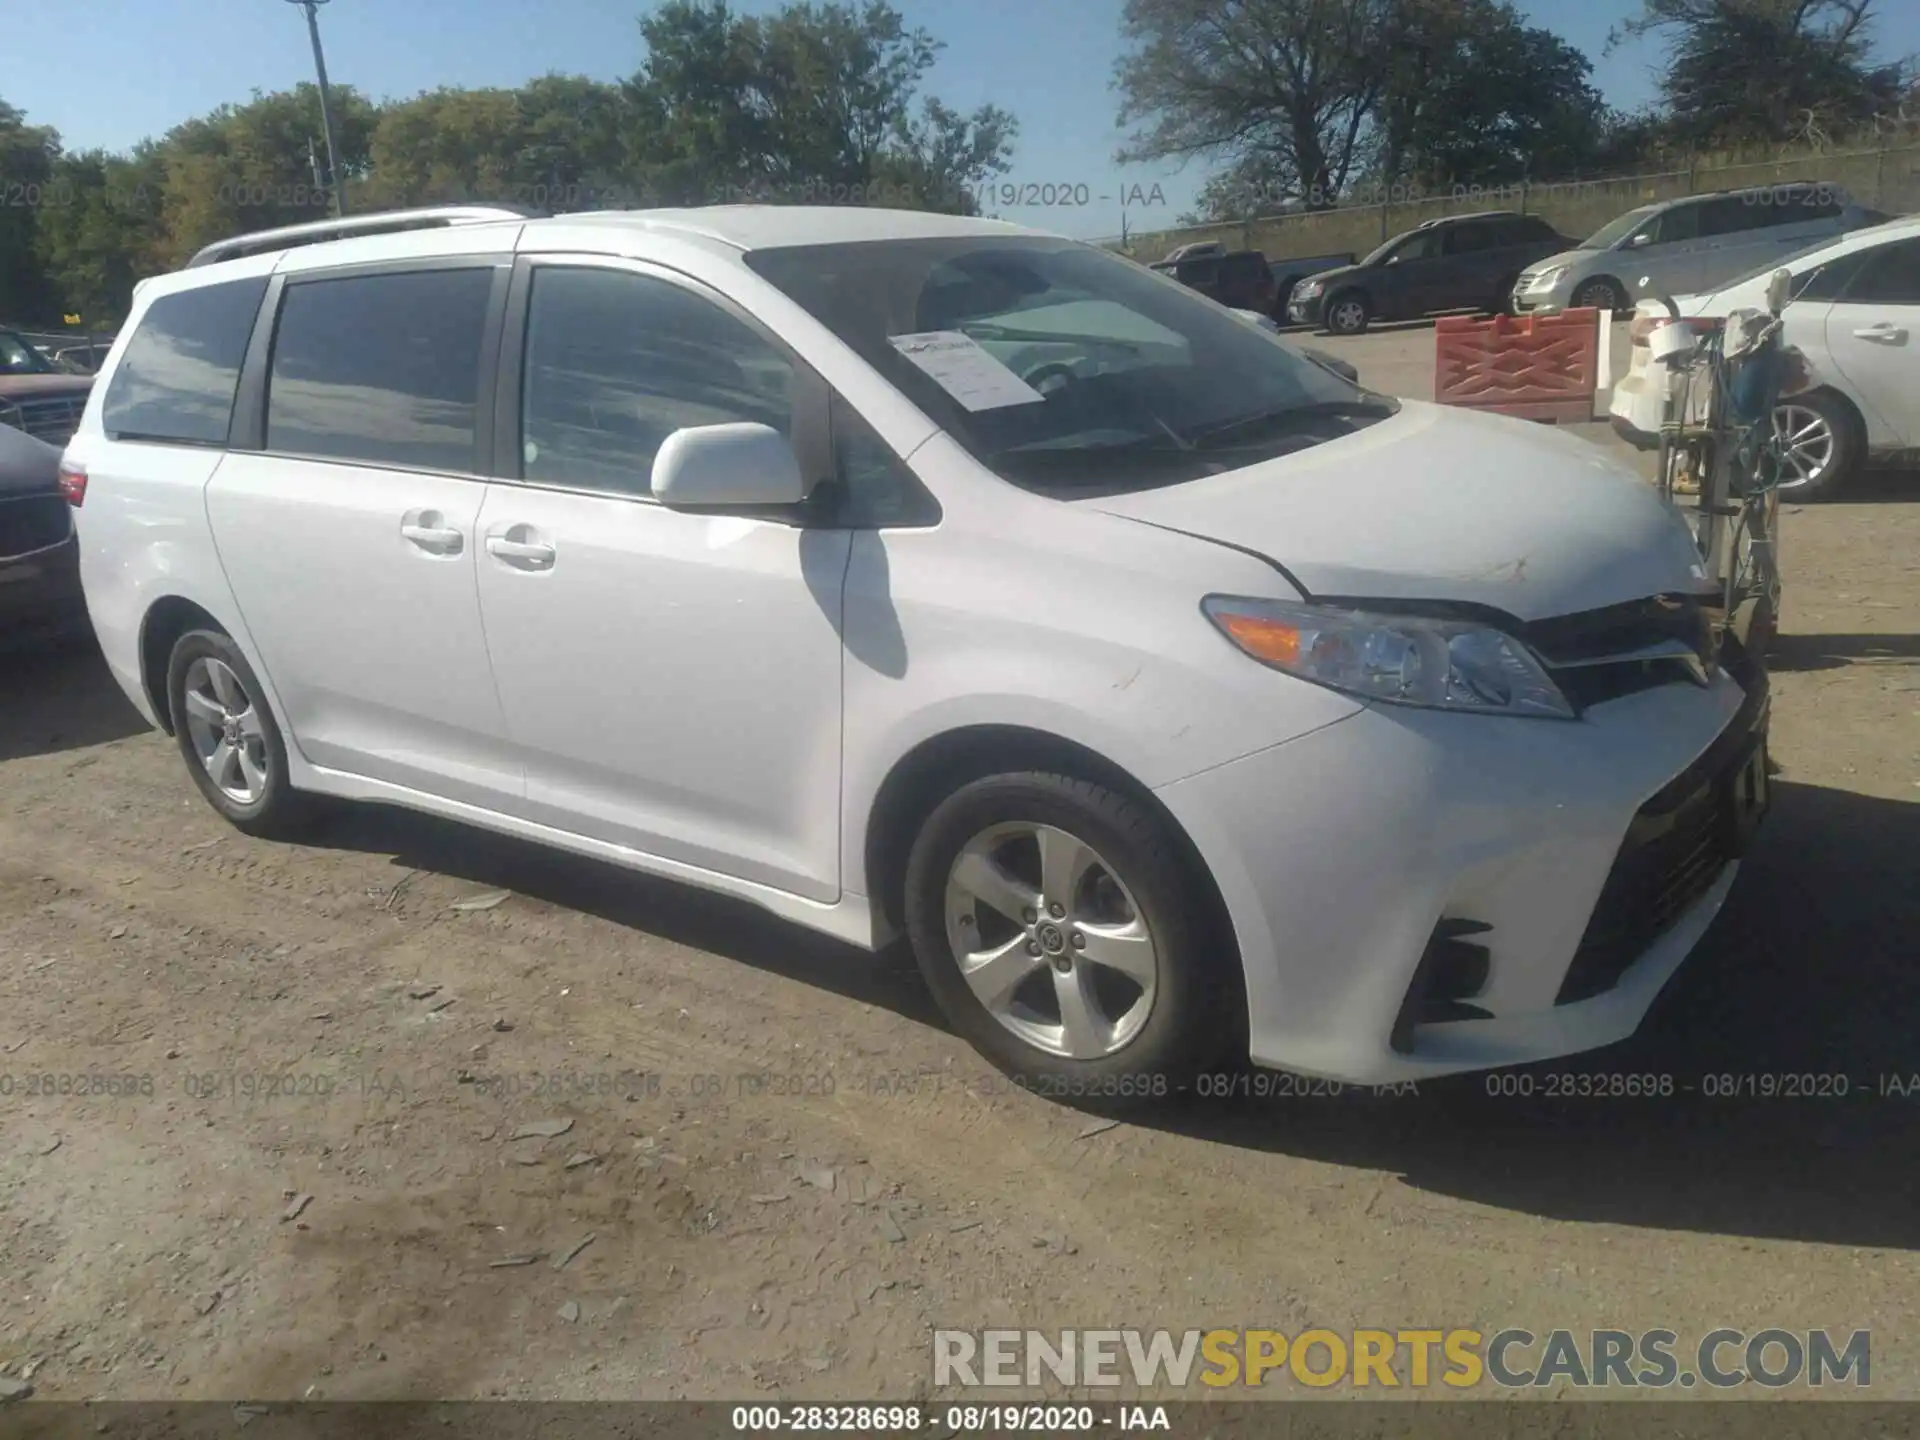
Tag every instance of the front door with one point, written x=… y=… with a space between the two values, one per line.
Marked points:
x=671 y=681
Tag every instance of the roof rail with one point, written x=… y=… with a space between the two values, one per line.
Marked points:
x=1469 y=215
x=383 y=222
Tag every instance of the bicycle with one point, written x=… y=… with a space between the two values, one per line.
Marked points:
x=1720 y=443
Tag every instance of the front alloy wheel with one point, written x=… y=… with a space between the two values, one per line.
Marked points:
x=1064 y=933
x=1050 y=941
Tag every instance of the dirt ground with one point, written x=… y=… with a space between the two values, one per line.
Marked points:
x=782 y=1168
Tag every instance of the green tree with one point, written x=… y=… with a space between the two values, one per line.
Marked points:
x=1476 y=96
x=1741 y=71
x=102 y=234
x=27 y=157
x=1280 y=92
x=812 y=101
x=250 y=167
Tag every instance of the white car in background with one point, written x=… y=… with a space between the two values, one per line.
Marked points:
x=1856 y=317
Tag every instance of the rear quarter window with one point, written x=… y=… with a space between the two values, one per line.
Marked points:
x=176 y=380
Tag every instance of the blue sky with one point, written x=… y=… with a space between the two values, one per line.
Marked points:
x=153 y=63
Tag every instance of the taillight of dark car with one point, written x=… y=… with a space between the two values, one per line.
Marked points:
x=73 y=483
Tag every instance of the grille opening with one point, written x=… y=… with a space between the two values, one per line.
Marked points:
x=1452 y=969
x=1674 y=850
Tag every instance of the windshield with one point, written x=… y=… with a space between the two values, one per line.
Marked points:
x=19 y=358
x=1066 y=369
x=1411 y=245
x=1618 y=229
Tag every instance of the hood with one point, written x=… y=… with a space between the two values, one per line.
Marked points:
x=1329 y=277
x=27 y=466
x=22 y=387
x=1442 y=504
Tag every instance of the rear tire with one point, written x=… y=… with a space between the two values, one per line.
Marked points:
x=1054 y=921
x=1828 y=451
x=229 y=737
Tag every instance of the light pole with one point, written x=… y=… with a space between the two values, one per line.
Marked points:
x=335 y=182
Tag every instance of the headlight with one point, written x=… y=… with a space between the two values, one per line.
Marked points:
x=1547 y=279
x=1307 y=289
x=1400 y=659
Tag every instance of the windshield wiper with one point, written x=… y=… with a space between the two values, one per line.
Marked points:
x=1377 y=408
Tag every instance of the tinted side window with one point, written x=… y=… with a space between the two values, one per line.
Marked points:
x=1467 y=239
x=380 y=368
x=177 y=379
x=1733 y=214
x=617 y=362
x=1826 y=282
x=1680 y=223
x=1890 y=276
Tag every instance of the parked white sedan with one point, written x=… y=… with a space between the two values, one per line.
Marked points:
x=1856 y=317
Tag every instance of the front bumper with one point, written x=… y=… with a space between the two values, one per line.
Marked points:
x=1540 y=302
x=1305 y=311
x=1343 y=854
x=41 y=602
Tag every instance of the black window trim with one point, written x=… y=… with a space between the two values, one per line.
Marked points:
x=812 y=412
x=248 y=431
x=136 y=437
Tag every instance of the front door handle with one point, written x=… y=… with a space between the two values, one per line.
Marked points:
x=1893 y=334
x=516 y=547
x=428 y=530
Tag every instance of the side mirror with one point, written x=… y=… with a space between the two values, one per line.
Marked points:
x=1645 y=237
x=1779 y=287
x=743 y=465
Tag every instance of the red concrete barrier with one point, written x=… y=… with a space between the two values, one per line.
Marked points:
x=1538 y=367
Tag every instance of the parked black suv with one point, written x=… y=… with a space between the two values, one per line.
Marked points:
x=1461 y=262
x=1239 y=278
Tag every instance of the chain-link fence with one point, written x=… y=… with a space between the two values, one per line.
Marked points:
x=1886 y=179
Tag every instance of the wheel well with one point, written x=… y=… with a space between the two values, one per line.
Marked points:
x=935 y=768
x=166 y=622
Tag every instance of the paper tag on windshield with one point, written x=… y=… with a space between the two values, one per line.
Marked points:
x=964 y=370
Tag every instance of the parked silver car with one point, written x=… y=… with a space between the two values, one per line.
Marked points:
x=1683 y=247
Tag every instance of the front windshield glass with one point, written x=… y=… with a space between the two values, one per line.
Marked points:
x=1412 y=245
x=1064 y=368
x=19 y=358
x=1618 y=229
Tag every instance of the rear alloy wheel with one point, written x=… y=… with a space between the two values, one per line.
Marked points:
x=1817 y=446
x=1347 y=314
x=228 y=736
x=1599 y=295
x=1054 y=922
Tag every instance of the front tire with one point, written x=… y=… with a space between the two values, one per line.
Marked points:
x=1054 y=921
x=1347 y=314
x=228 y=736
x=1599 y=295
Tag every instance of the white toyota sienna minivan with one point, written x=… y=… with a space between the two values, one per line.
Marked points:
x=1180 y=701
